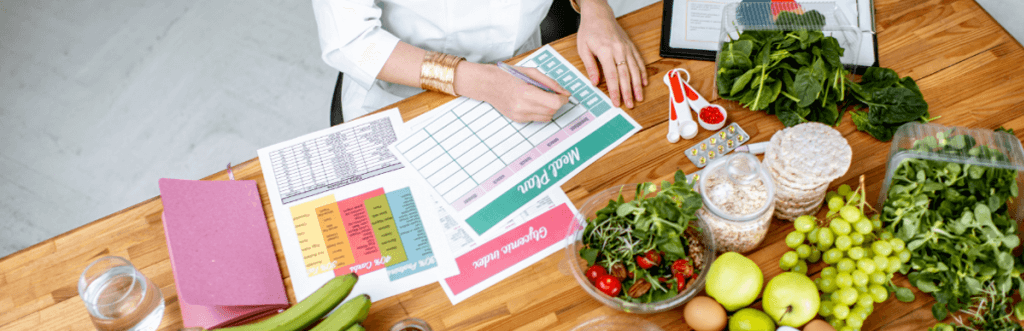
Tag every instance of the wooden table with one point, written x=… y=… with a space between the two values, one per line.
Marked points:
x=967 y=66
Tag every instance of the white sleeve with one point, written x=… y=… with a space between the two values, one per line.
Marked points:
x=351 y=38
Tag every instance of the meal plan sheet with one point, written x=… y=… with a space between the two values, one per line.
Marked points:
x=482 y=166
x=343 y=204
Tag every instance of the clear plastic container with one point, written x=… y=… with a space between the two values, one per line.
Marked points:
x=743 y=16
x=907 y=135
x=576 y=265
x=739 y=200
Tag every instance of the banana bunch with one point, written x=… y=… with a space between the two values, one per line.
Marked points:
x=309 y=311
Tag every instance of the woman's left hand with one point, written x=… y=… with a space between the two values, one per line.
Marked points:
x=601 y=39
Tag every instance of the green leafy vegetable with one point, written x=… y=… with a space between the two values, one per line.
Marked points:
x=954 y=219
x=796 y=73
x=655 y=220
x=989 y=311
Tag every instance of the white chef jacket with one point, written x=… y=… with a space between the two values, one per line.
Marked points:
x=358 y=36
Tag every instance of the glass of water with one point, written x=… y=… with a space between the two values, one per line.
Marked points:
x=118 y=297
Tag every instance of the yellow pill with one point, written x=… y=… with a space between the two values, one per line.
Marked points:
x=713 y=140
x=722 y=134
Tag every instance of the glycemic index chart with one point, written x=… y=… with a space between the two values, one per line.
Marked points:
x=471 y=155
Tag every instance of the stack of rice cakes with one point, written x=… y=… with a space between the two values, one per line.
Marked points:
x=803 y=160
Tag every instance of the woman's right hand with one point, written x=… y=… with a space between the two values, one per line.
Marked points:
x=517 y=100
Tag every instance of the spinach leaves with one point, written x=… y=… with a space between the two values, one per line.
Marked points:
x=797 y=75
x=891 y=101
x=954 y=219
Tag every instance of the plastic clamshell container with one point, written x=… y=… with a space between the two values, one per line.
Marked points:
x=577 y=266
x=907 y=134
x=743 y=16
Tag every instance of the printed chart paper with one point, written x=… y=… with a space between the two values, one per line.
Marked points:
x=539 y=229
x=343 y=204
x=482 y=166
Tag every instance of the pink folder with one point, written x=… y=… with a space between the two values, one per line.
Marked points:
x=225 y=269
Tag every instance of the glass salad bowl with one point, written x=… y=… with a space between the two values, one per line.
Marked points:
x=700 y=235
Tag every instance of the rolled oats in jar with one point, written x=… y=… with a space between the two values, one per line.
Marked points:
x=739 y=200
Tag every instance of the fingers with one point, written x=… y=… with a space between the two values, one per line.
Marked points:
x=635 y=68
x=624 y=67
x=589 y=64
x=641 y=62
x=611 y=76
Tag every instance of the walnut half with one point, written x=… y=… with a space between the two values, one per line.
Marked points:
x=640 y=287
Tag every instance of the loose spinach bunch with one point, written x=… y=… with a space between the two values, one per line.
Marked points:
x=891 y=101
x=623 y=230
x=954 y=218
x=797 y=76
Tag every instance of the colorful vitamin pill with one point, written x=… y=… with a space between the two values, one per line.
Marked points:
x=711 y=154
x=694 y=151
x=732 y=129
x=729 y=143
x=739 y=139
x=713 y=140
x=721 y=148
x=702 y=160
x=722 y=134
x=703 y=146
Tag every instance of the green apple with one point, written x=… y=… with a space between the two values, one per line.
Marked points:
x=750 y=319
x=791 y=299
x=734 y=281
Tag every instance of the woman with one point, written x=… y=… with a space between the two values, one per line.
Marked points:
x=389 y=49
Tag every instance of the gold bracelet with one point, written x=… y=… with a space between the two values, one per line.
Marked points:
x=437 y=73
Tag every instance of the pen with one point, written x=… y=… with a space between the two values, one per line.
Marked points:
x=509 y=69
x=515 y=73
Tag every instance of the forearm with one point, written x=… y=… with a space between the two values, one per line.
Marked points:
x=404 y=63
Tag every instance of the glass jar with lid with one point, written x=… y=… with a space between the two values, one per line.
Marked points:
x=739 y=200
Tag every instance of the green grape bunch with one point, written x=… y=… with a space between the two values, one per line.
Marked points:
x=860 y=256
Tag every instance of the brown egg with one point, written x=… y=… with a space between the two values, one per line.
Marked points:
x=818 y=325
x=705 y=314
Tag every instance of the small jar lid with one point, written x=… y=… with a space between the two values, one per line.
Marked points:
x=737 y=187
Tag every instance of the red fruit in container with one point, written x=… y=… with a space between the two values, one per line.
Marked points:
x=594 y=272
x=608 y=285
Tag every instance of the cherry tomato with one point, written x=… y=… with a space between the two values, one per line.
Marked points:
x=648 y=260
x=595 y=271
x=680 y=282
x=654 y=257
x=643 y=262
x=608 y=285
x=682 y=266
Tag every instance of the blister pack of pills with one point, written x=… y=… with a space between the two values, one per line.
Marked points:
x=722 y=142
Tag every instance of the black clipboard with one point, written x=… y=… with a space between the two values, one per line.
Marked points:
x=665 y=50
x=672 y=52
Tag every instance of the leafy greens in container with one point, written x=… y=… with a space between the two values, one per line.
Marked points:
x=948 y=199
x=797 y=74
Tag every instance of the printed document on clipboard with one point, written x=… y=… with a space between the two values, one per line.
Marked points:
x=344 y=204
x=482 y=167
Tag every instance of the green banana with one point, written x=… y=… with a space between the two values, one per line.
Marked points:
x=356 y=327
x=351 y=312
x=308 y=311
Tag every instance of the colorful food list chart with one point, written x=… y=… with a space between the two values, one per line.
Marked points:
x=343 y=204
x=483 y=166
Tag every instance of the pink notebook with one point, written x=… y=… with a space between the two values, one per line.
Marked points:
x=224 y=265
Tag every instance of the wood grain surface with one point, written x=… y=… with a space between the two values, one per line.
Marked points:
x=968 y=67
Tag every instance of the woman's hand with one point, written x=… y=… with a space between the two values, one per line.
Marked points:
x=601 y=37
x=517 y=100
